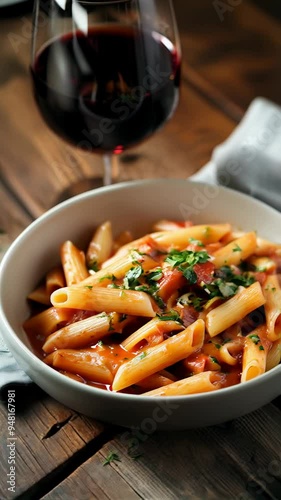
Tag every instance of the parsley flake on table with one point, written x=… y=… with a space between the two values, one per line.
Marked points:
x=111 y=457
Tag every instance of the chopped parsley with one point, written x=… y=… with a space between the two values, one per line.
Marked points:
x=89 y=287
x=190 y=299
x=131 y=279
x=214 y=360
x=255 y=338
x=154 y=276
x=227 y=283
x=172 y=315
x=152 y=291
x=93 y=266
x=142 y=355
x=196 y=242
x=237 y=248
x=111 y=457
x=110 y=277
x=185 y=261
x=261 y=348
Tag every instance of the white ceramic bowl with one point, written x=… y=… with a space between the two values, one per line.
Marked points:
x=134 y=206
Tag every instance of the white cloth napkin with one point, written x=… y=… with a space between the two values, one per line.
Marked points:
x=249 y=161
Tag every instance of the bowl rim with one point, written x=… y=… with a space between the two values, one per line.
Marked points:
x=12 y=338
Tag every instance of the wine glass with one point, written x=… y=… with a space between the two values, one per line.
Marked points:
x=105 y=74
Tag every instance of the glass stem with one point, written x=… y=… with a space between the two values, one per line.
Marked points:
x=111 y=169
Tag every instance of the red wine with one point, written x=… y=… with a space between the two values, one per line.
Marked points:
x=108 y=90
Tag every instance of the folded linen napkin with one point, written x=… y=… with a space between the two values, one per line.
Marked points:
x=249 y=161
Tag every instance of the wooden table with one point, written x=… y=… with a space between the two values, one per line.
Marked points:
x=228 y=59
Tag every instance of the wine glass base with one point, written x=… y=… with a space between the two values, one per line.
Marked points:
x=80 y=187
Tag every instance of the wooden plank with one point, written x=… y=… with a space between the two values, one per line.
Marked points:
x=49 y=438
x=237 y=52
x=13 y=217
x=93 y=480
x=234 y=460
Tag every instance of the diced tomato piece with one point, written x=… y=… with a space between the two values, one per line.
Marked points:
x=171 y=281
x=205 y=272
x=260 y=277
x=196 y=363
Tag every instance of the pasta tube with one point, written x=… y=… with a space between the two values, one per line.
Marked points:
x=159 y=357
x=47 y=321
x=274 y=355
x=179 y=238
x=100 y=246
x=202 y=382
x=119 y=268
x=81 y=333
x=86 y=363
x=236 y=251
x=104 y=300
x=234 y=309
x=54 y=280
x=272 y=294
x=151 y=332
x=73 y=263
x=254 y=356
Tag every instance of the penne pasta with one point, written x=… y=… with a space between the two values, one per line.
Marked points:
x=105 y=299
x=179 y=239
x=202 y=382
x=47 y=321
x=86 y=363
x=87 y=331
x=166 y=314
x=161 y=356
x=272 y=294
x=100 y=246
x=262 y=264
x=273 y=355
x=234 y=309
x=73 y=263
x=236 y=251
x=54 y=280
x=152 y=332
x=254 y=356
x=119 y=268
x=156 y=380
x=40 y=295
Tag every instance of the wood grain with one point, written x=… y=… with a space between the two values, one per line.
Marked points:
x=48 y=436
x=234 y=460
x=237 y=53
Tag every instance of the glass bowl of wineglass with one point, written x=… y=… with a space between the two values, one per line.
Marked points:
x=105 y=74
